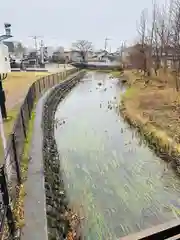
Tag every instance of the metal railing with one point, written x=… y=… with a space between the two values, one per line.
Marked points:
x=10 y=171
x=169 y=230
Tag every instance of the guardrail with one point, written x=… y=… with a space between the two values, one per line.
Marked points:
x=169 y=230
x=10 y=171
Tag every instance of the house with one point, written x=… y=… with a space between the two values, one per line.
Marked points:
x=89 y=55
x=76 y=56
x=10 y=45
x=67 y=55
x=70 y=55
x=135 y=56
x=104 y=56
x=48 y=52
x=59 y=55
x=101 y=55
x=115 y=57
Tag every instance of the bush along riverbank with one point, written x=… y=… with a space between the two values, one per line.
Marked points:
x=60 y=219
x=152 y=111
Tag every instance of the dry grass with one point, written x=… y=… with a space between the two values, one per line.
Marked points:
x=17 y=84
x=157 y=103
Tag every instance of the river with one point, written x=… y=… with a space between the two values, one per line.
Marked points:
x=113 y=179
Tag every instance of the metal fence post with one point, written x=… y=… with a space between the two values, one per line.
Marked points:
x=36 y=92
x=27 y=101
x=16 y=159
x=53 y=79
x=30 y=102
x=57 y=78
x=33 y=89
x=44 y=83
x=5 y=196
x=49 y=81
x=23 y=123
x=39 y=86
x=60 y=76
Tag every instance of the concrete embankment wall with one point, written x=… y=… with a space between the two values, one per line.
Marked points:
x=56 y=201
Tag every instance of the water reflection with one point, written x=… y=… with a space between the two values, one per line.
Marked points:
x=111 y=176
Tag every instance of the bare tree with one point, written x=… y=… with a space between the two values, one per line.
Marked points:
x=150 y=41
x=175 y=41
x=142 y=30
x=164 y=31
x=158 y=38
x=19 y=49
x=156 y=51
x=83 y=46
x=146 y=36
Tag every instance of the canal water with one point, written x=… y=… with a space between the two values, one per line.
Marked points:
x=113 y=180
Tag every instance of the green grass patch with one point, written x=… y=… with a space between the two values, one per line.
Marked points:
x=27 y=145
x=115 y=74
x=19 y=206
x=130 y=92
x=104 y=70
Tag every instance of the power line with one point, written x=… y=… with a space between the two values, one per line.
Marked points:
x=42 y=51
x=35 y=38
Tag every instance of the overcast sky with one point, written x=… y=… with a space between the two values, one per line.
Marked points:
x=62 y=22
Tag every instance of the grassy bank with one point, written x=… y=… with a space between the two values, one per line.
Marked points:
x=19 y=206
x=115 y=74
x=154 y=109
x=16 y=86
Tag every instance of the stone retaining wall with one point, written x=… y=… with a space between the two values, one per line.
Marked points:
x=56 y=201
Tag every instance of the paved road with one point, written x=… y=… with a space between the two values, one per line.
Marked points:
x=49 y=67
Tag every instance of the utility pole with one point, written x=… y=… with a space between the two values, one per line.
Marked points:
x=42 y=52
x=122 y=48
x=35 y=38
x=105 y=43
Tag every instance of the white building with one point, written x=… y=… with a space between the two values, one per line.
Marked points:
x=73 y=55
x=70 y=55
x=49 y=51
x=4 y=59
x=76 y=56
